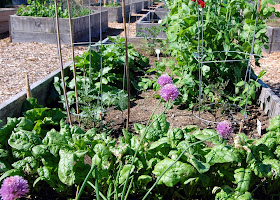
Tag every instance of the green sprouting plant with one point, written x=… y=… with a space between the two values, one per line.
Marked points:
x=112 y=4
x=228 y=28
x=44 y=8
x=152 y=40
x=91 y=79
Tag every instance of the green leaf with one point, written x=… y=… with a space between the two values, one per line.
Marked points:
x=66 y=173
x=125 y=172
x=243 y=178
x=24 y=140
x=206 y=133
x=29 y=165
x=178 y=172
x=222 y=154
x=145 y=179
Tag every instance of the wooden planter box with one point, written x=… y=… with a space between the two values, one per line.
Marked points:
x=273 y=34
x=43 y=29
x=4 y=18
x=136 y=6
x=114 y=13
x=150 y=20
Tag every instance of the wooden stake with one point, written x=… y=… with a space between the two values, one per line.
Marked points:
x=240 y=127
x=73 y=59
x=126 y=65
x=27 y=86
x=61 y=63
x=260 y=6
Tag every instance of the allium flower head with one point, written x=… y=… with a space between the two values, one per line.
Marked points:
x=169 y=92
x=13 y=187
x=164 y=79
x=224 y=129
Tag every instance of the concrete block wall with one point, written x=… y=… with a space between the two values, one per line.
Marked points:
x=43 y=29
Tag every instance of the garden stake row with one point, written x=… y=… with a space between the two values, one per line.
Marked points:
x=61 y=63
x=73 y=60
x=126 y=64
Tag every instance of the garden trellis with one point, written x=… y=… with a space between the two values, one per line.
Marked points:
x=203 y=58
x=98 y=46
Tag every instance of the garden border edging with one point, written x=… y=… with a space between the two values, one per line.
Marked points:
x=39 y=90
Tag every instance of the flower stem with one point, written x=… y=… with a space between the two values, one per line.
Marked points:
x=142 y=138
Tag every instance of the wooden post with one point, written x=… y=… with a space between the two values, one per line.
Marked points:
x=61 y=64
x=27 y=86
x=126 y=65
x=73 y=57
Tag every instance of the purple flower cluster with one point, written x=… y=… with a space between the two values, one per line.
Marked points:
x=164 y=79
x=224 y=129
x=169 y=92
x=13 y=187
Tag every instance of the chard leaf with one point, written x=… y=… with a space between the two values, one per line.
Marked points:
x=25 y=124
x=125 y=172
x=274 y=124
x=7 y=129
x=4 y=166
x=178 y=172
x=54 y=138
x=274 y=165
x=175 y=136
x=206 y=133
x=145 y=179
x=242 y=178
x=23 y=140
x=11 y=172
x=222 y=154
x=66 y=173
x=29 y=165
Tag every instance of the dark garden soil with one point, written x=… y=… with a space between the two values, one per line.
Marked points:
x=144 y=103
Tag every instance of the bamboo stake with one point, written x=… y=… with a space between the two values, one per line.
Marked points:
x=61 y=63
x=27 y=86
x=73 y=59
x=126 y=65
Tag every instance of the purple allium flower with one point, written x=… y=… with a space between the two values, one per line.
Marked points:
x=169 y=92
x=224 y=129
x=164 y=79
x=13 y=187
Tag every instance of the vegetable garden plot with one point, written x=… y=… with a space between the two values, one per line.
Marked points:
x=153 y=161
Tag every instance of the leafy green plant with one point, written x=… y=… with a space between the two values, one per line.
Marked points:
x=227 y=36
x=151 y=37
x=91 y=79
x=46 y=8
x=158 y=163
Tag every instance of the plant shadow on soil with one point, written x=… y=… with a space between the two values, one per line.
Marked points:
x=178 y=117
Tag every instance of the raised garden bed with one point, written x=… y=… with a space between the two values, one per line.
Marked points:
x=43 y=29
x=5 y=17
x=151 y=19
x=273 y=34
x=114 y=13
